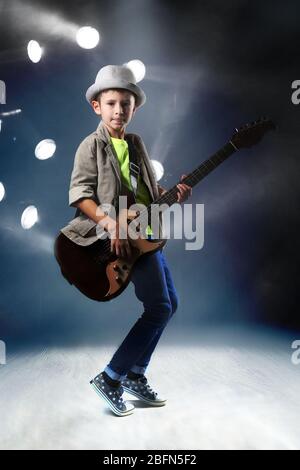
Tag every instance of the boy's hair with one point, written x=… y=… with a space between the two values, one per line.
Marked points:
x=98 y=97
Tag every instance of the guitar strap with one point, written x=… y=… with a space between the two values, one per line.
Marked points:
x=134 y=167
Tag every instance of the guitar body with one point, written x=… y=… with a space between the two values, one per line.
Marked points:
x=94 y=269
x=97 y=275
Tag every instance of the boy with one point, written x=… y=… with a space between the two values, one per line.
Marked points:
x=100 y=172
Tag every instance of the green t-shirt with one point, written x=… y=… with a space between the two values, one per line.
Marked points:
x=142 y=195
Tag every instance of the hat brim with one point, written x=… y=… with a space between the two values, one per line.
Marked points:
x=95 y=89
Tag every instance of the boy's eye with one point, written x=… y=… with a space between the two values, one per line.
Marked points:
x=124 y=104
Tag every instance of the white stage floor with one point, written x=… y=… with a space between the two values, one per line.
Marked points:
x=225 y=390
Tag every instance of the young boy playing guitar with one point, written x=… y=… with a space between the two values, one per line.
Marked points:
x=100 y=174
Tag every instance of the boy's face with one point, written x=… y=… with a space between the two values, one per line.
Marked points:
x=116 y=108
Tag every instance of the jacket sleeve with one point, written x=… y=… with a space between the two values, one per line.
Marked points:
x=84 y=177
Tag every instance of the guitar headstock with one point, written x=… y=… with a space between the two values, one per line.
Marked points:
x=251 y=134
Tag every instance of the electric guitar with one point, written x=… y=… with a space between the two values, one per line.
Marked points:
x=97 y=272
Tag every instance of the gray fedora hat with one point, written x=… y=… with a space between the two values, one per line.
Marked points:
x=116 y=76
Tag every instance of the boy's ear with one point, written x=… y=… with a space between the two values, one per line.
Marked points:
x=96 y=107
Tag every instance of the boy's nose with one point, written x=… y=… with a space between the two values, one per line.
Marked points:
x=119 y=109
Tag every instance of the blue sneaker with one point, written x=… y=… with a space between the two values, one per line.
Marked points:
x=112 y=396
x=142 y=390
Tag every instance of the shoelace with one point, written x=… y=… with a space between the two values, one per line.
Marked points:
x=144 y=381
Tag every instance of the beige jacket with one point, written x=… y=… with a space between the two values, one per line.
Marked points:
x=96 y=174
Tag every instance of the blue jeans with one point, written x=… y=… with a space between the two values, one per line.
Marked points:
x=155 y=289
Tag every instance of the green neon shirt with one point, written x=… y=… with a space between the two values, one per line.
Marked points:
x=142 y=196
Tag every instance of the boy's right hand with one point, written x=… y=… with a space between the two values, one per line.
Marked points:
x=119 y=246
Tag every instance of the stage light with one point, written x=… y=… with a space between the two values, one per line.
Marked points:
x=158 y=169
x=87 y=37
x=29 y=217
x=34 y=51
x=138 y=69
x=45 y=149
x=11 y=113
x=2 y=191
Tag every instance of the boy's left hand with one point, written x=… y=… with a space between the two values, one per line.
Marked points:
x=185 y=191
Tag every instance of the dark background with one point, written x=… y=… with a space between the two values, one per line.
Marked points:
x=210 y=67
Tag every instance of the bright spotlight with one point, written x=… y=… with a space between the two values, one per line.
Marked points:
x=45 y=149
x=2 y=191
x=34 y=51
x=138 y=69
x=11 y=113
x=158 y=169
x=87 y=37
x=29 y=217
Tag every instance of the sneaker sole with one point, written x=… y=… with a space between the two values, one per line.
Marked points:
x=111 y=405
x=146 y=400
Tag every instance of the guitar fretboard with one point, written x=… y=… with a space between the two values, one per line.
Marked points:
x=170 y=197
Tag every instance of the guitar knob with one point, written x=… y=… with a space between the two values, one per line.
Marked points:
x=124 y=266
x=116 y=267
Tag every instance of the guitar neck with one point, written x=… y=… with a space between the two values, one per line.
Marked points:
x=170 y=197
